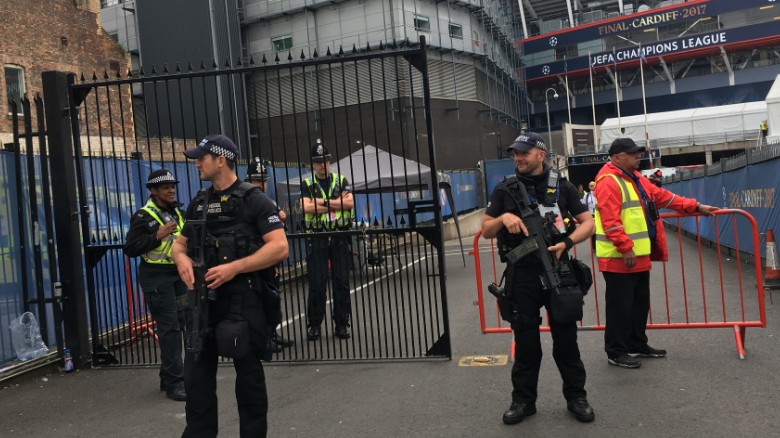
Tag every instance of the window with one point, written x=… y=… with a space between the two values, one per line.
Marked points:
x=273 y=1
x=456 y=31
x=14 y=85
x=282 y=43
x=422 y=23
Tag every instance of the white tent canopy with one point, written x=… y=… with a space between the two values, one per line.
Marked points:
x=372 y=170
x=773 y=109
x=707 y=125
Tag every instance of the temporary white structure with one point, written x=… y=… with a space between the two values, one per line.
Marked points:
x=709 y=125
x=372 y=170
x=773 y=109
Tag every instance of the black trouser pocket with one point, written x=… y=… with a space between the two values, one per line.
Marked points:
x=233 y=338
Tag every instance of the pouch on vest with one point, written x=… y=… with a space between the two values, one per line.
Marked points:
x=583 y=274
x=233 y=338
x=566 y=304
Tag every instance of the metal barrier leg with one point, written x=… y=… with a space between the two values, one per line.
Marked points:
x=739 y=334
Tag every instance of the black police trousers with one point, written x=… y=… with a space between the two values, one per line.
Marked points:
x=161 y=292
x=200 y=382
x=529 y=297
x=627 y=306
x=319 y=251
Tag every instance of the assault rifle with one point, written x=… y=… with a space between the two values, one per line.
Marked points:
x=198 y=328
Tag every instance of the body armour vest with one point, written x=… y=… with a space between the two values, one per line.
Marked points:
x=228 y=236
x=162 y=254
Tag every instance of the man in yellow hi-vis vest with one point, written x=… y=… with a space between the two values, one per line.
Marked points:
x=152 y=232
x=327 y=203
x=629 y=235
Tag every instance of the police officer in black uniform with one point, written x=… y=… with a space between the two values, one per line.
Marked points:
x=245 y=237
x=502 y=219
x=257 y=175
x=152 y=232
x=327 y=203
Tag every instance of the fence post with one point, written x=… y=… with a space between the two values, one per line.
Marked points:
x=66 y=214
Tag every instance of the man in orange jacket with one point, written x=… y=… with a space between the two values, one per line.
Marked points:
x=629 y=235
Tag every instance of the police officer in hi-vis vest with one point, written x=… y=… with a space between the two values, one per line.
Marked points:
x=153 y=230
x=629 y=236
x=327 y=202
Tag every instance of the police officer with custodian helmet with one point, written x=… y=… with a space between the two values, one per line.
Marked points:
x=503 y=220
x=152 y=232
x=327 y=204
x=244 y=237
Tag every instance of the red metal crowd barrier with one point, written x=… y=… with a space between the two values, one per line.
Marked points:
x=701 y=290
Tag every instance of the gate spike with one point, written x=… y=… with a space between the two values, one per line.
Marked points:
x=214 y=65
x=368 y=47
x=315 y=55
x=165 y=67
x=202 y=64
x=376 y=222
x=227 y=62
x=141 y=72
x=105 y=74
x=189 y=66
x=389 y=222
x=263 y=61
x=341 y=50
x=178 y=68
x=105 y=237
x=289 y=56
x=83 y=79
x=116 y=238
x=328 y=53
x=354 y=48
x=276 y=58
x=93 y=240
x=240 y=62
x=94 y=76
x=302 y=55
x=154 y=71
x=381 y=46
x=251 y=60
x=118 y=76
x=402 y=222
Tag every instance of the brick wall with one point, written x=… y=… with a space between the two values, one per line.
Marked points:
x=63 y=35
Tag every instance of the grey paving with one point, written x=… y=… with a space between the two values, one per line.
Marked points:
x=701 y=389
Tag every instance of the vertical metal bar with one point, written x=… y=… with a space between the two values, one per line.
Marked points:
x=63 y=135
x=47 y=204
x=19 y=208
x=35 y=236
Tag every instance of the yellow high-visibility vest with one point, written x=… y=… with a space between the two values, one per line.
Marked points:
x=162 y=254
x=634 y=224
x=328 y=220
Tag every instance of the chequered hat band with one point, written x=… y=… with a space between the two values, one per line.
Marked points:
x=167 y=178
x=219 y=150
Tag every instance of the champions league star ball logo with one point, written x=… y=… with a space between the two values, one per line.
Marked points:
x=546 y=69
x=553 y=42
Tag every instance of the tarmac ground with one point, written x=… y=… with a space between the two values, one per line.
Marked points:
x=701 y=389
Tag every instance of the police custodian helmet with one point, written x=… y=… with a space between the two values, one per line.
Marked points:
x=319 y=153
x=158 y=177
x=258 y=170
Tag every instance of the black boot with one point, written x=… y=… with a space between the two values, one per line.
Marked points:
x=518 y=411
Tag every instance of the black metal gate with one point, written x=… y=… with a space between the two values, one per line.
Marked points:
x=28 y=260
x=370 y=106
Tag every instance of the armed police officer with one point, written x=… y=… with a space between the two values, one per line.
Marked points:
x=525 y=291
x=152 y=232
x=235 y=230
x=257 y=175
x=327 y=203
